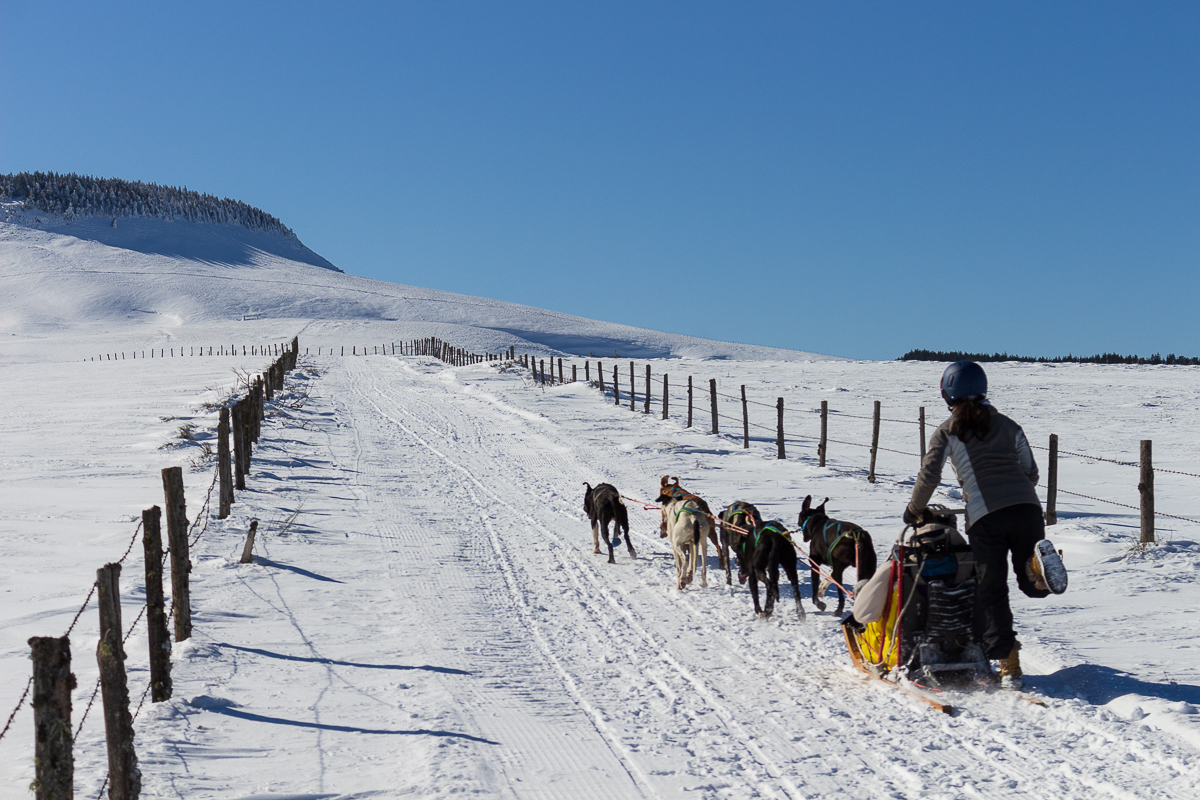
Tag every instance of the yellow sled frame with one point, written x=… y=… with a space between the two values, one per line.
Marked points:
x=876 y=649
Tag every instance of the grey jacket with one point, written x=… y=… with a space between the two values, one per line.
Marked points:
x=994 y=473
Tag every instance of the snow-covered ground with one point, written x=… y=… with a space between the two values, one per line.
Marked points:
x=425 y=615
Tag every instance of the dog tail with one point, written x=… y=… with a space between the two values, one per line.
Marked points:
x=621 y=514
x=866 y=556
x=696 y=530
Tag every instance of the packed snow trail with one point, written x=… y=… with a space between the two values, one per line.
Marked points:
x=433 y=622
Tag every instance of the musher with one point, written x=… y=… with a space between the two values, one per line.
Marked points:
x=995 y=467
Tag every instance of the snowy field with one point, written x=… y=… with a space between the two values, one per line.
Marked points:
x=425 y=616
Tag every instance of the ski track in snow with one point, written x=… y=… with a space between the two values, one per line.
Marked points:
x=434 y=623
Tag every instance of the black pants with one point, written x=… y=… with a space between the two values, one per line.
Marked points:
x=1012 y=530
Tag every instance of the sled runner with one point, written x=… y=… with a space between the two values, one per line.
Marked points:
x=914 y=618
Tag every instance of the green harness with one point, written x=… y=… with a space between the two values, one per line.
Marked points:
x=772 y=526
x=853 y=532
x=688 y=506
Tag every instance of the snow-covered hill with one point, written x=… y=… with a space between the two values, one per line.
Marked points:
x=425 y=616
x=148 y=281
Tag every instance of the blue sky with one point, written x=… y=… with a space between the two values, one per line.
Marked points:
x=856 y=179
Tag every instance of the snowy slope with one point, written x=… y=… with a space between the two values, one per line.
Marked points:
x=71 y=285
x=425 y=615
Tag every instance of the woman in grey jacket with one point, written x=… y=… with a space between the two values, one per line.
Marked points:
x=997 y=472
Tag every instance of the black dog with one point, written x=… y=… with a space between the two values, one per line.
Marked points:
x=837 y=545
x=737 y=520
x=602 y=506
x=760 y=555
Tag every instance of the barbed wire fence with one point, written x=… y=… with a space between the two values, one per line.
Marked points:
x=649 y=401
x=195 y=530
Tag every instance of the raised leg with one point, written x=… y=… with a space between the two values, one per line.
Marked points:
x=837 y=576
x=790 y=568
x=816 y=593
x=608 y=541
x=772 y=580
x=716 y=542
x=725 y=554
x=754 y=590
x=629 y=544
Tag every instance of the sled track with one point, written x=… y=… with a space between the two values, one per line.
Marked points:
x=638 y=658
x=634 y=640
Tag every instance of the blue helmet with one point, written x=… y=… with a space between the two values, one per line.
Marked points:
x=964 y=380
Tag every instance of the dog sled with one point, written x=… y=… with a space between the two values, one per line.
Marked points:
x=914 y=619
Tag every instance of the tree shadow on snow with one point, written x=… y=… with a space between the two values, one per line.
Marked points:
x=246 y=715
x=266 y=562
x=332 y=662
x=1099 y=685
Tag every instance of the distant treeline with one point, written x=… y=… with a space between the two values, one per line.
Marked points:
x=1104 y=358
x=85 y=196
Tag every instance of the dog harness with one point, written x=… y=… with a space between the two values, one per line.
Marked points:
x=772 y=526
x=688 y=506
x=853 y=532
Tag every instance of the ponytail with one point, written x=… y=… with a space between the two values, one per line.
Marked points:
x=970 y=418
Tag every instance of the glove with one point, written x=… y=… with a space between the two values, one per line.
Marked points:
x=915 y=518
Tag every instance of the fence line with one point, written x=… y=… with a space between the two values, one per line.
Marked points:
x=648 y=401
x=273 y=379
x=456 y=356
x=824 y=412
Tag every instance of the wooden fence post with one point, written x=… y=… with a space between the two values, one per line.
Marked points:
x=689 y=401
x=779 y=433
x=239 y=444
x=542 y=377
x=632 y=385
x=600 y=374
x=712 y=394
x=250 y=421
x=248 y=548
x=587 y=372
x=1052 y=482
x=224 y=470
x=560 y=372
x=237 y=430
x=616 y=387
x=921 y=418
x=649 y=391
x=53 y=758
x=1146 y=489
x=156 y=614
x=270 y=383
x=874 y=442
x=124 y=778
x=822 y=446
x=745 y=421
x=574 y=373
x=181 y=565
x=665 y=395
x=258 y=412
